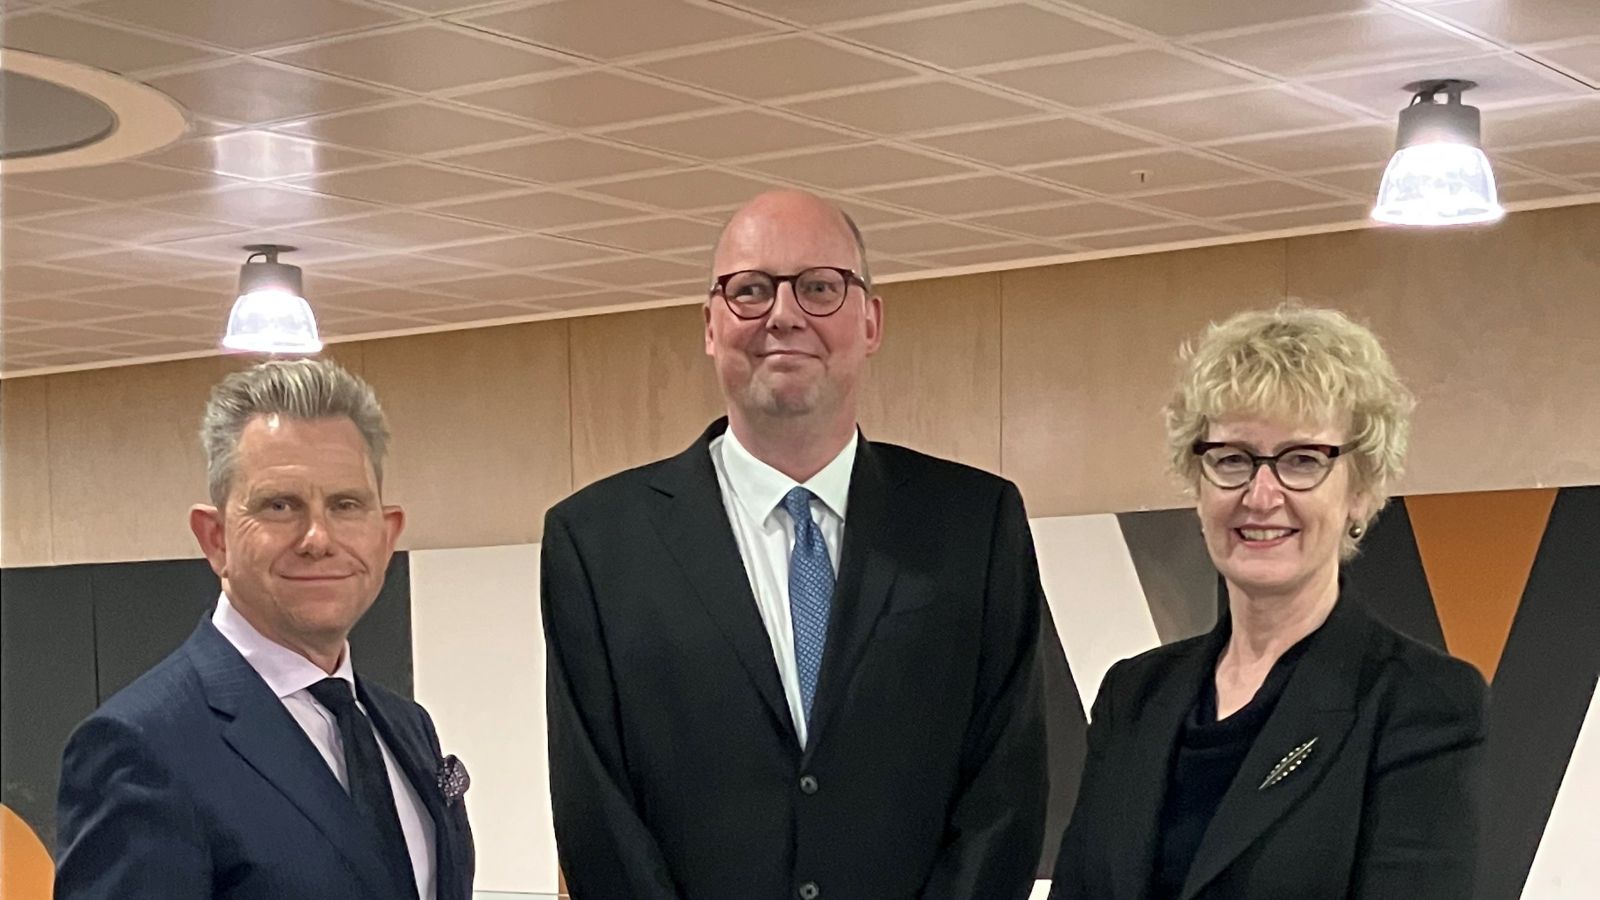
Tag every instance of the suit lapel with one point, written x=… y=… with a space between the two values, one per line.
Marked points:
x=262 y=732
x=1148 y=756
x=1317 y=704
x=417 y=761
x=694 y=526
x=866 y=576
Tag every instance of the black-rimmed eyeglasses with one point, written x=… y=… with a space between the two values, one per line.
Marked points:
x=1298 y=468
x=820 y=290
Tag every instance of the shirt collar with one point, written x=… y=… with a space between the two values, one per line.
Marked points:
x=285 y=671
x=759 y=488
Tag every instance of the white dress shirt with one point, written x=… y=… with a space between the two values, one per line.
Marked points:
x=289 y=675
x=752 y=494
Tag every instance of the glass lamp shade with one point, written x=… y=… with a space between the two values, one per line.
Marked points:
x=272 y=321
x=1438 y=183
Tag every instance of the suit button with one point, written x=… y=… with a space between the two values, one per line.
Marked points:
x=808 y=784
x=809 y=891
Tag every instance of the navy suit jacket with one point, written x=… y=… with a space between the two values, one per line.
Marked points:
x=195 y=782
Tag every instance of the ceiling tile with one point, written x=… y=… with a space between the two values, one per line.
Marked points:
x=639 y=270
x=1146 y=237
x=588 y=99
x=481 y=313
x=261 y=206
x=243 y=24
x=156 y=298
x=152 y=265
x=169 y=326
x=1542 y=122
x=926 y=237
x=1578 y=158
x=356 y=323
x=783 y=67
x=1350 y=42
x=652 y=235
x=1359 y=144
x=1302 y=218
x=261 y=155
x=1027 y=143
x=503 y=287
x=116 y=182
x=1584 y=58
x=76 y=336
x=685 y=190
x=1231 y=115
x=561 y=160
x=405 y=183
x=822 y=12
x=396 y=301
x=867 y=216
x=93 y=44
x=731 y=134
x=969 y=195
x=16 y=203
x=1362 y=180
x=18 y=245
x=398 y=229
x=427 y=57
x=1238 y=199
x=398 y=269
x=63 y=358
x=61 y=309
x=1501 y=79
x=251 y=92
x=1171 y=19
x=410 y=128
x=226 y=252
x=1004 y=253
x=855 y=167
x=603 y=297
x=595 y=28
x=1123 y=78
x=991 y=34
x=166 y=347
x=1060 y=221
x=122 y=222
x=539 y=210
x=1160 y=169
x=1531 y=190
x=524 y=252
x=1524 y=21
x=915 y=107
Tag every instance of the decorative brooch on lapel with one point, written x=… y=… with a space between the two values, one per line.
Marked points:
x=1287 y=765
x=453 y=778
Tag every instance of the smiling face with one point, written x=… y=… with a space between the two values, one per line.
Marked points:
x=1265 y=539
x=789 y=364
x=303 y=542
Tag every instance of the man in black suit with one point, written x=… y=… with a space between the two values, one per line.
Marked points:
x=789 y=661
x=252 y=762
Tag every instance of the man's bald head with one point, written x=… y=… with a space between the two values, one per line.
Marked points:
x=792 y=207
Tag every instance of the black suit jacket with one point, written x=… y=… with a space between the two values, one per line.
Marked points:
x=194 y=782
x=674 y=767
x=1386 y=804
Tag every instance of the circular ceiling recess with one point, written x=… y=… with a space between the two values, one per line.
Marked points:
x=56 y=114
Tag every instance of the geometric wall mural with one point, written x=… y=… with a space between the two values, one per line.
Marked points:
x=1509 y=581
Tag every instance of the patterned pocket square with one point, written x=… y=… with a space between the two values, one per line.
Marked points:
x=453 y=778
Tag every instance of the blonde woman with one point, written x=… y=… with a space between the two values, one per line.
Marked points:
x=1302 y=749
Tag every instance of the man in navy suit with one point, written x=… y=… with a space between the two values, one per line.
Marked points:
x=253 y=762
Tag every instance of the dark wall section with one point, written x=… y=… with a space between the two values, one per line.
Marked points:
x=71 y=636
x=1388 y=576
x=47 y=683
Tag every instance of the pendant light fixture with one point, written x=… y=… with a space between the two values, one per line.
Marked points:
x=1439 y=174
x=271 y=314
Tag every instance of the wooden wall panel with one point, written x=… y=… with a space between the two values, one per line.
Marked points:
x=642 y=388
x=1088 y=362
x=481 y=444
x=25 y=538
x=1498 y=332
x=125 y=460
x=934 y=384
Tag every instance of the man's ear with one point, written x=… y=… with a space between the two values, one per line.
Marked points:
x=206 y=523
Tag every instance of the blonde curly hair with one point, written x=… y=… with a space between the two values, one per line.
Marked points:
x=1302 y=365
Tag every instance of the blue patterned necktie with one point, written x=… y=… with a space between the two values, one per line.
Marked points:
x=810 y=592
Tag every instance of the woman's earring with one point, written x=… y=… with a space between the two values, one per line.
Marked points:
x=1357 y=530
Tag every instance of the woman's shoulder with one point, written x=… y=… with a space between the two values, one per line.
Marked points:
x=1427 y=685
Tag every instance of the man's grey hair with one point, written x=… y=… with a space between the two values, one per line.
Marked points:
x=297 y=389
